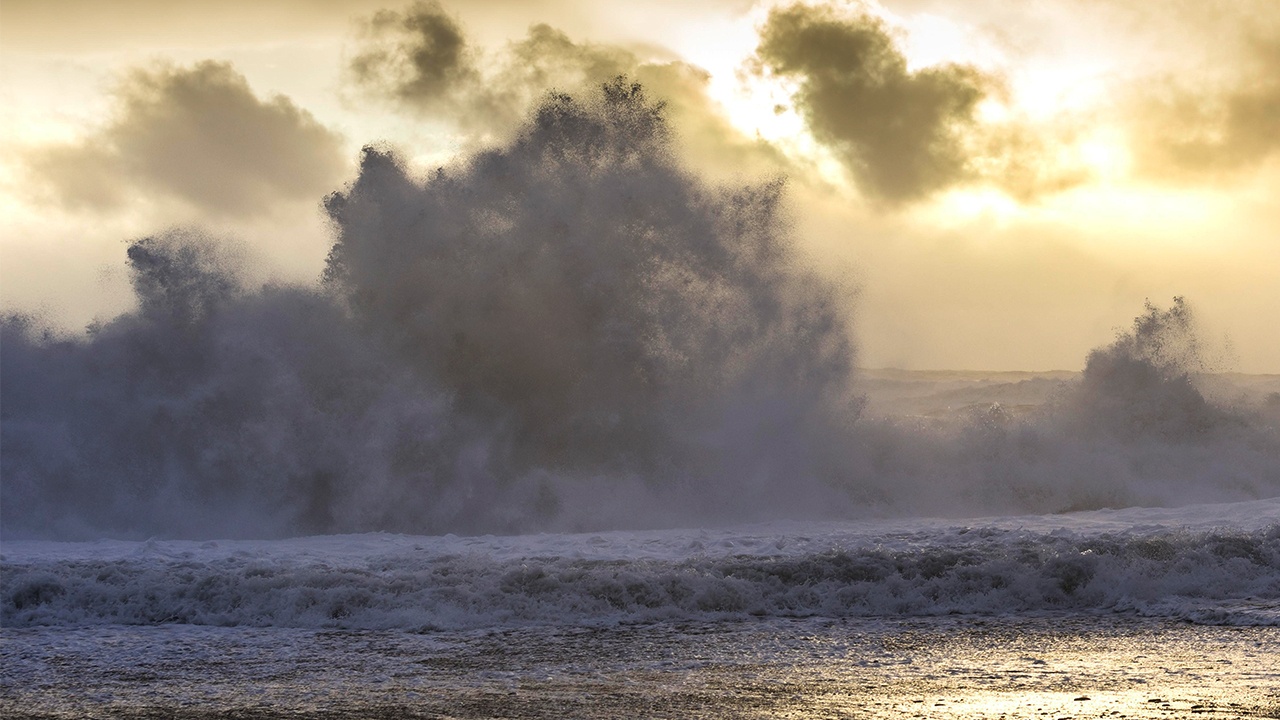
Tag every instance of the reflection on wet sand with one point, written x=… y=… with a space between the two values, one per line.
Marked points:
x=1114 y=666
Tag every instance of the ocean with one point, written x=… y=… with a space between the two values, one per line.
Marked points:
x=1142 y=612
x=563 y=430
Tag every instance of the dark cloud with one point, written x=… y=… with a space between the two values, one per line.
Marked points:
x=417 y=57
x=898 y=132
x=198 y=134
x=1186 y=133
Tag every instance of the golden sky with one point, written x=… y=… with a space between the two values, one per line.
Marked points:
x=1001 y=185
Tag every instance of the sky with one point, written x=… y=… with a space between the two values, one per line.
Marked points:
x=998 y=186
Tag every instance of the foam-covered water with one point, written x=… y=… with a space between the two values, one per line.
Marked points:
x=1208 y=564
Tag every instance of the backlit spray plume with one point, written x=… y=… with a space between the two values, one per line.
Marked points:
x=570 y=331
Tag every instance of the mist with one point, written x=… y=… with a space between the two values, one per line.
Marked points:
x=567 y=331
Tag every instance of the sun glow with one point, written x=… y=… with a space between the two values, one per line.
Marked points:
x=929 y=40
x=1132 y=212
x=755 y=106
x=1106 y=155
x=983 y=205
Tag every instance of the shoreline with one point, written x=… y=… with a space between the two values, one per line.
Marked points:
x=1088 y=665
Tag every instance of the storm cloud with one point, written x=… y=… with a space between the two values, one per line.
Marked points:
x=198 y=134
x=898 y=132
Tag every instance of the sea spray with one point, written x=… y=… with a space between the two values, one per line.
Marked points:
x=566 y=332
x=569 y=331
x=603 y=310
x=1133 y=429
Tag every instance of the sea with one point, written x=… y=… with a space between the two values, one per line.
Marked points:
x=564 y=431
x=1139 y=612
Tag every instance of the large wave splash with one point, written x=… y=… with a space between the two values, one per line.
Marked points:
x=567 y=332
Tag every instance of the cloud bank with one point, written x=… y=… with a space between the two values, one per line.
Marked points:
x=199 y=135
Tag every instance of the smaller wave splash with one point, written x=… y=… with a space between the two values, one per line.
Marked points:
x=1150 y=562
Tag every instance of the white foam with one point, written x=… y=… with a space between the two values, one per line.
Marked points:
x=1212 y=563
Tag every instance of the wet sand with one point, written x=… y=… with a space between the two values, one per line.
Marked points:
x=1072 y=666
